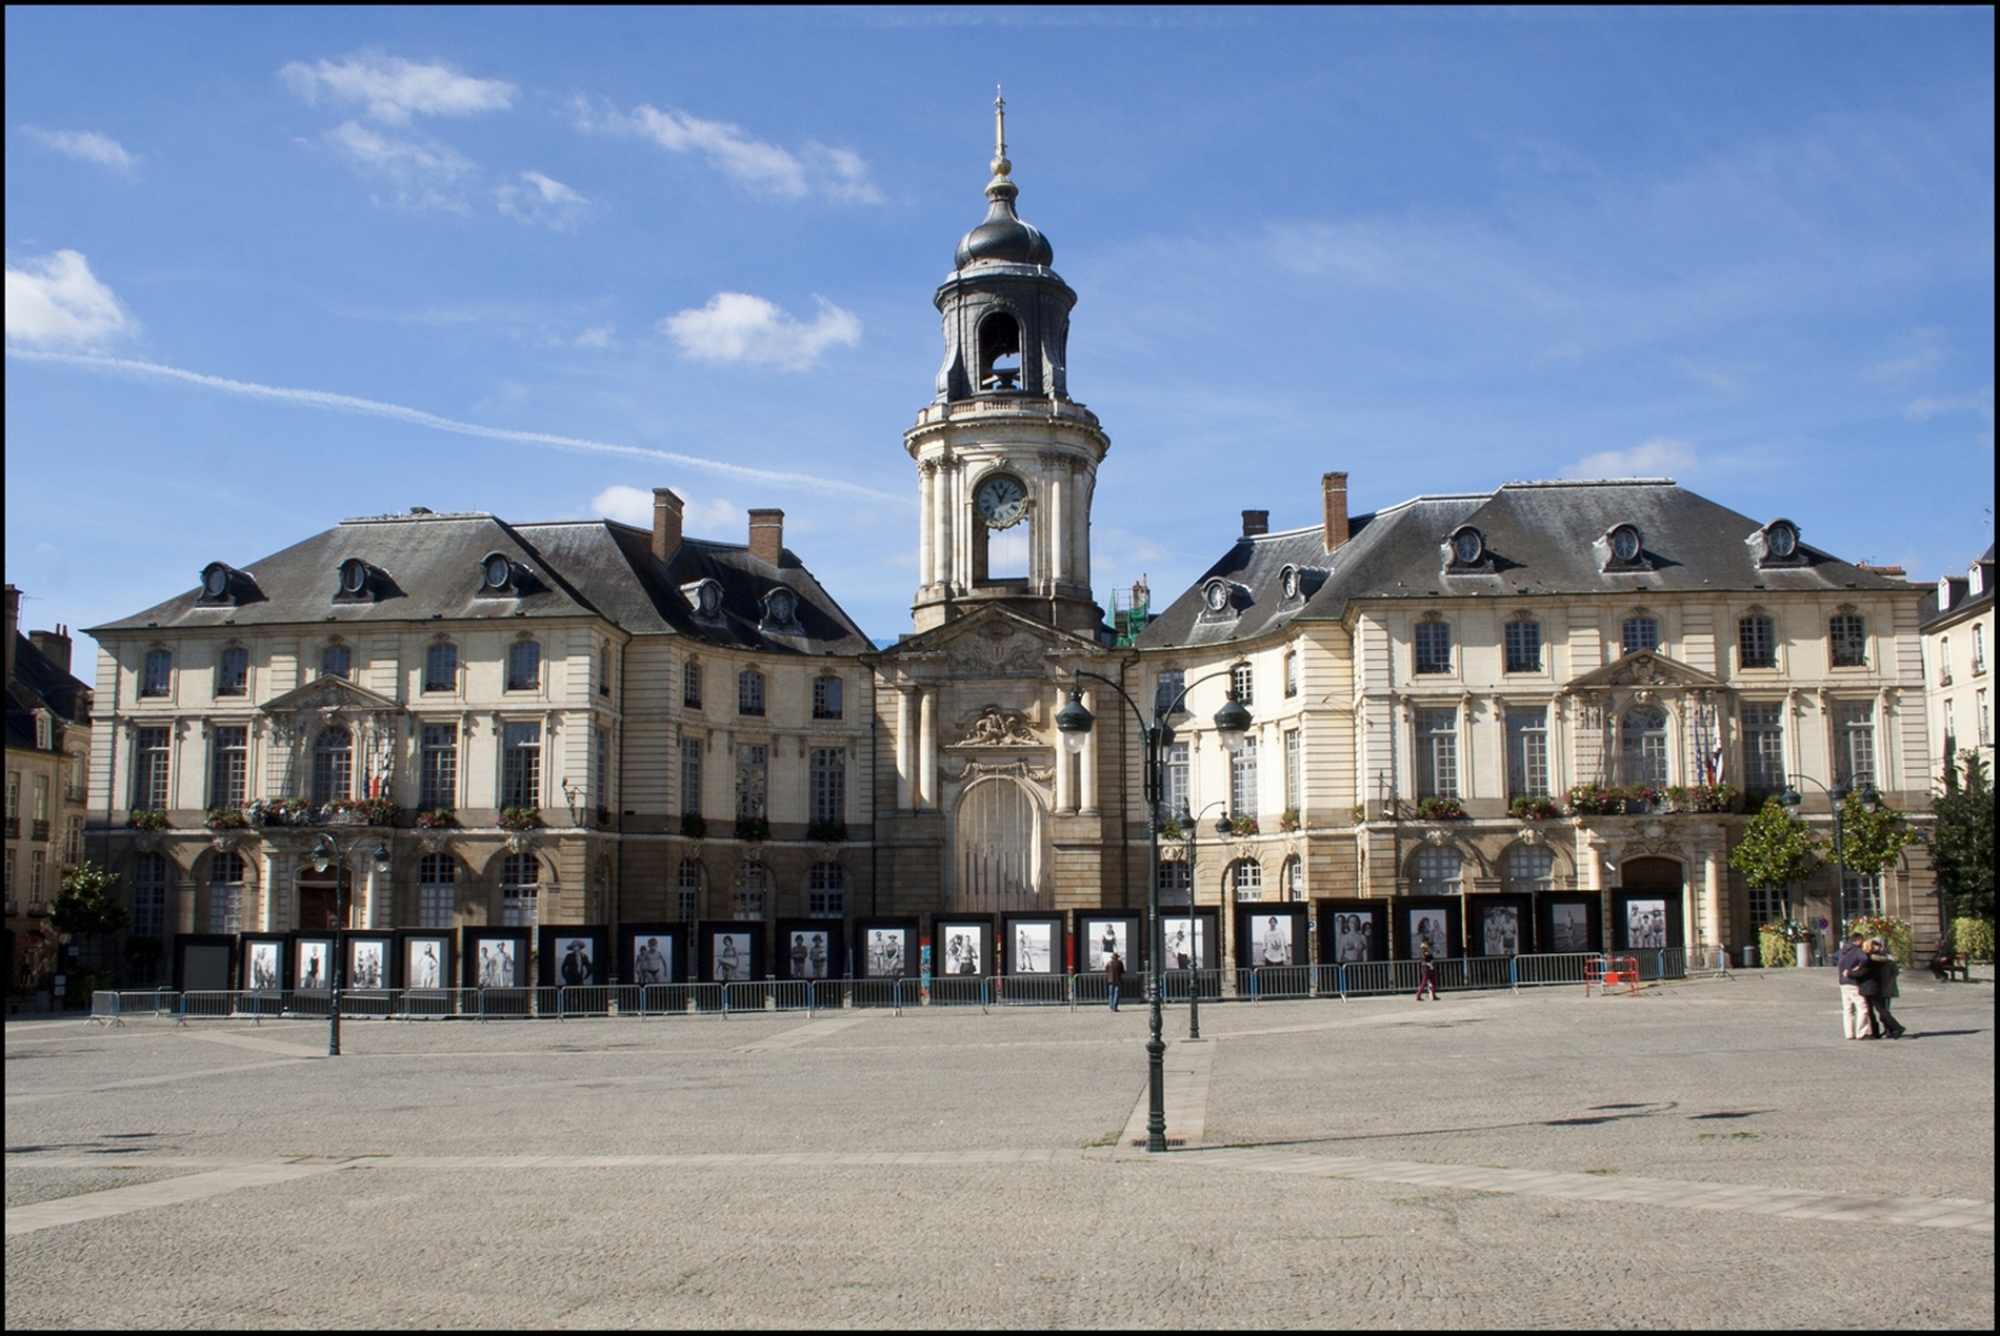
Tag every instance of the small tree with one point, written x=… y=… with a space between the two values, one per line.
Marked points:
x=1962 y=842
x=1871 y=842
x=1776 y=850
x=84 y=908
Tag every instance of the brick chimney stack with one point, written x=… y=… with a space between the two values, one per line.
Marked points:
x=1335 y=485
x=54 y=645
x=666 y=523
x=767 y=535
x=1256 y=522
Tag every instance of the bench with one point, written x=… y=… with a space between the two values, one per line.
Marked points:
x=1947 y=967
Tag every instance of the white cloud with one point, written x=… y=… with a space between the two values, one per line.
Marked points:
x=1924 y=409
x=634 y=506
x=543 y=201
x=737 y=327
x=597 y=337
x=1926 y=348
x=393 y=88
x=421 y=173
x=84 y=146
x=1657 y=458
x=55 y=301
x=761 y=168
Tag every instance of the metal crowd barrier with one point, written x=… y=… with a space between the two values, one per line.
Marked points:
x=960 y=990
x=1539 y=971
x=1274 y=981
x=1180 y=985
x=1033 y=990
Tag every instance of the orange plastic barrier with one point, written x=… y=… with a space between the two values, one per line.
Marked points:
x=1604 y=973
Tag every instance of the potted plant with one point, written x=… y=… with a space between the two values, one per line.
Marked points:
x=519 y=818
x=148 y=818
x=226 y=818
x=753 y=828
x=1533 y=809
x=1440 y=809
x=1289 y=822
x=435 y=818
x=1243 y=825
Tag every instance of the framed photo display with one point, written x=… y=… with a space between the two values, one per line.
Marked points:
x=810 y=949
x=1568 y=924
x=423 y=958
x=1270 y=934
x=1190 y=938
x=1421 y=919
x=1032 y=944
x=312 y=962
x=653 y=954
x=573 y=955
x=885 y=948
x=961 y=946
x=495 y=957
x=1352 y=931
x=204 y=962
x=732 y=952
x=263 y=960
x=370 y=959
x=1100 y=932
x=1643 y=920
x=1499 y=925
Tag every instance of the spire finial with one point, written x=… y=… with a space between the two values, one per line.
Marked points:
x=1000 y=187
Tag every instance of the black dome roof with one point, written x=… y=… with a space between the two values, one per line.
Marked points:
x=1003 y=238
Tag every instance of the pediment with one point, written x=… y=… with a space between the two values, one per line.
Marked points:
x=325 y=694
x=1645 y=668
x=994 y=642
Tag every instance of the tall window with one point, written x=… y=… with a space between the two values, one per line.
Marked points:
x=1433 y=644
x=1242 y=683
x=437 y=773
x=1437 y=753
x=1767 y=905
x=441 y=667
x=1174 y=884
x=1524 y=647
x=520 y=890
x=1847 y=640
x=1985 y=717
x=1527 y=751
x=1295 y=780
x=1530 y=868
x=1641 y=633
x=1246 y=879
x=1643 y=744
x=521 y=766
x=753 y=781
x=437 y=890
x=749 y=692
x=232 y=672
x=827 y=780
x=38 y=875
x=229 y=769
x=14 y=803
x=691 y=685
x=1174 y=783
x=600 y=781
x=1763 y=746
x=1756 y=642
x=333 y=765
x=687 y=891
x=524 y=665
x=690 y=776
x=1167 y=688
x=157 y=678
x=1438 y=871
x=72 y=841
x=149 y=895
x=1978 y=648
x=336 y=661
x=749 y=892
x=604 y=669
x=1291 y=672
x=1944 y=660
x=1950 y=729
x=1243 y=780
x=1861 y=894
x=225 y=893
x=41 y=807
x=150 y=758
x=1854 y=743
x=827 y=703
x=1292 y=879
x=826 y=891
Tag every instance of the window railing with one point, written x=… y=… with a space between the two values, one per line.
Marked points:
x=40 y=831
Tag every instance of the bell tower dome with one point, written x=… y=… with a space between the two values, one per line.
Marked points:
x=1006 y=459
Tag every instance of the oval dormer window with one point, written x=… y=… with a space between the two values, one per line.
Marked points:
x=1467 y=546
x=216 y=583
x=1625 y=543
x=1216 y=596
x=499 y=572
x=708 y=599
x=1781 y=539
x=1288 y=581
x=353 y=576
x=780 y=607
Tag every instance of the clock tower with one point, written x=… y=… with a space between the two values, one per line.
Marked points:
x=1006 y=460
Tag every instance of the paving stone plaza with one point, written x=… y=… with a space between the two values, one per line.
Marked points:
x=1705 y=1153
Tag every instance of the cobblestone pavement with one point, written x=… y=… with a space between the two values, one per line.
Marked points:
x=1708 y=1153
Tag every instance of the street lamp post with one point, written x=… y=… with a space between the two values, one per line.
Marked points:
x=1232 y=725
x=1836 y=795
x=326 y=853
x=1187 y=821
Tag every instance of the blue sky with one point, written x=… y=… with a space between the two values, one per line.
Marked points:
x=267 y=269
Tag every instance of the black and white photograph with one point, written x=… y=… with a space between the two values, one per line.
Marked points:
x=424 y=962
x=261 y=967
x=576 y=961
x=961 y=948
x=652 y=960
x=1034 y=948
x=368 y=964
x=1646 y=924
x=1353 y=938
x=498 y=962
x=1428 y=926
x=1271 y=940
x=1569 y=926
x=887 y=953
x=1105 y=936
x=1500 y=930
x=1186 y=941
x=810 y=955
x=732 y=957
x=314 y=969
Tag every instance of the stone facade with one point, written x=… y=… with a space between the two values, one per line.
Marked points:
x=48 y=759
x=1958 y=637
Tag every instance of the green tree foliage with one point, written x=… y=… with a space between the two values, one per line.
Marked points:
x=1871 y=842
x=1962 y=843
x=1776 y=850
x=84 y=906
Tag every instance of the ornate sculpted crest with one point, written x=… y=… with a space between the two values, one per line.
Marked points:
x=998 y=651
x=996 y=727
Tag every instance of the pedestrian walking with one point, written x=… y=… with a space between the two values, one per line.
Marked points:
x=1114 y=975
x=1427 y=975
x=1880 y=986
x=1857 y=1020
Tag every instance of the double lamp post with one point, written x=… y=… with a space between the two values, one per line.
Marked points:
x=1837 y=795
x=326 y=853
x=1232 y=724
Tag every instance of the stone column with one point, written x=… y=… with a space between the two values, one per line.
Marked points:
x=944 y=498
x=1055 y=541
x=927 y=526
x=267 y=903
x=906 y=748
x=928 y=748
x=1088 y=761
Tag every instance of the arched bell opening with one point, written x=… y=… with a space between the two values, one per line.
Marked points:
x=999 y=352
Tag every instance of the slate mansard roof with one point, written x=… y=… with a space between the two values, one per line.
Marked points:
x=428 y=567
x=38 y=684
x=1539 y=539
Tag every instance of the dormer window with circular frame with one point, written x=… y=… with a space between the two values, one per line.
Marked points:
x=1468 y=545
x=704 y=597
x=1215 y=596
x=1626 y=544
x=215 y=581
x=1288 y=582
x=1781 y=539
x=354 y=577
x=498 y=573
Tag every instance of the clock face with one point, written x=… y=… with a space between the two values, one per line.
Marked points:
x=1001 y=501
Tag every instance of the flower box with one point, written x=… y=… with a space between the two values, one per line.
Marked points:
x=519 y=818
x=148 y=818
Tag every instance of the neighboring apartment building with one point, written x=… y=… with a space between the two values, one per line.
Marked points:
x=48 y=759
x=1958 y=640
x=1420 y=671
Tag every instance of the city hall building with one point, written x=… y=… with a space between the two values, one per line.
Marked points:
x=672 y=757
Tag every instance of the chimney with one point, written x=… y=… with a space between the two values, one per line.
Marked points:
x=13 y=626
x=767 y=535
x=1336 y=509
x=1256 y=522
x=666 y=523
x=54 y=645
